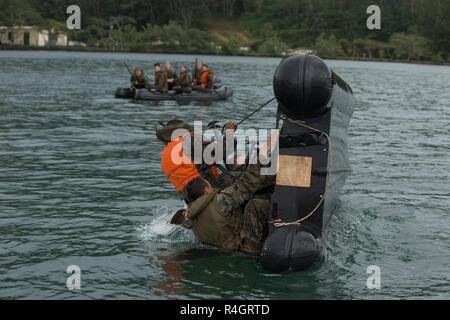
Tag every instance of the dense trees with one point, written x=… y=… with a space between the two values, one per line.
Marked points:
x=329 y=24
x=18 y=12
x=410 y=29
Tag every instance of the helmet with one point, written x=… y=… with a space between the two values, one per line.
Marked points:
x=303 y=85
x=164 y=130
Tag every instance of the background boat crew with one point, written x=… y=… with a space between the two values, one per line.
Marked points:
x=171 y=74
x=206 y=80
x=139 y=80
x=160 y=84
x=183 y=84
x=217 y=218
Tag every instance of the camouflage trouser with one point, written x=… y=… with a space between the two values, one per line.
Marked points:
x=254 y=225
x=251 y=220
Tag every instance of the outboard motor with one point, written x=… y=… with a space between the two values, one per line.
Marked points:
x=315 y=105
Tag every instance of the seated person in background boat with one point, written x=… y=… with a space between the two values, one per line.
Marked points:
x=180 y=174
x=183 y=82
x=160 y=80
x=219 y=217
x=206 y=80
x=139 y=80
x=171 y=75
x=197 y=73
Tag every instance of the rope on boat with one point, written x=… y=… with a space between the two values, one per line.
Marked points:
x=255 y=111
x=329 y=172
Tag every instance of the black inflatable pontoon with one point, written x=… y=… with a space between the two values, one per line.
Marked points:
x=221 y=92
x=315 y=106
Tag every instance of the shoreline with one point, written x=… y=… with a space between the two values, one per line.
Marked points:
x=251 y=54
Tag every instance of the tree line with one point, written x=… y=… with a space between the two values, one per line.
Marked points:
x=410 y=29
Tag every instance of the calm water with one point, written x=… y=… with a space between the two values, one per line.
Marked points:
x=80 y=184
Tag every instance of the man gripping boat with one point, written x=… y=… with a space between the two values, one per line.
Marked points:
x=314 y=106
x=227 y=210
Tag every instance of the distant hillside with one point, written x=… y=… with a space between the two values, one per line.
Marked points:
x=412 y=30
x=227 y=30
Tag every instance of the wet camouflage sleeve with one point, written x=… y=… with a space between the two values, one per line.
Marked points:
x=243 y=189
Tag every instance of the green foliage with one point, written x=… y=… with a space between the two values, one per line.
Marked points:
x=346 y=47
x=167 y=38
x=327 y=47
x=56 y=25
x=438 y=58
x=201 y=42
x=18 y=12
x=232 y=47
x=410 y=46
x=366 y=48
x=273 y=46
x=254 y=24
x=297 y=37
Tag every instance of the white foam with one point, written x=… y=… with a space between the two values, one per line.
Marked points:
x=160 y=229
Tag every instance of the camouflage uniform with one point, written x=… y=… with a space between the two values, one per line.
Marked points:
x=142 y=82
x=170 y=74
x=160 y=82
x=183 y=83
x=233 y=218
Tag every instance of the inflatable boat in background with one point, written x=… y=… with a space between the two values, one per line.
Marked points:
x=220 y=92
x=315 y=106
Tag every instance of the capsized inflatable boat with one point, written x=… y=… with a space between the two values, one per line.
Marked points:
x=315 y=106
x=221 y=92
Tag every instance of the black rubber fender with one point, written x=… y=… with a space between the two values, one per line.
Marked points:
x=303 y=85
x=290 y=248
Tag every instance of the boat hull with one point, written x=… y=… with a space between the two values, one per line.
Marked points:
x=317 y=147
x=221 y=93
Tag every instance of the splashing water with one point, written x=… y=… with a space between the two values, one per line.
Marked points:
x=160 y=230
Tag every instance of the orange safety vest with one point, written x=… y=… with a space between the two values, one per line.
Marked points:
x=203 y=77
x=178 y=168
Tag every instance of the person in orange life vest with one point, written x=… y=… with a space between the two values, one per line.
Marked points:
x=181 y=169
x=206 y=83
